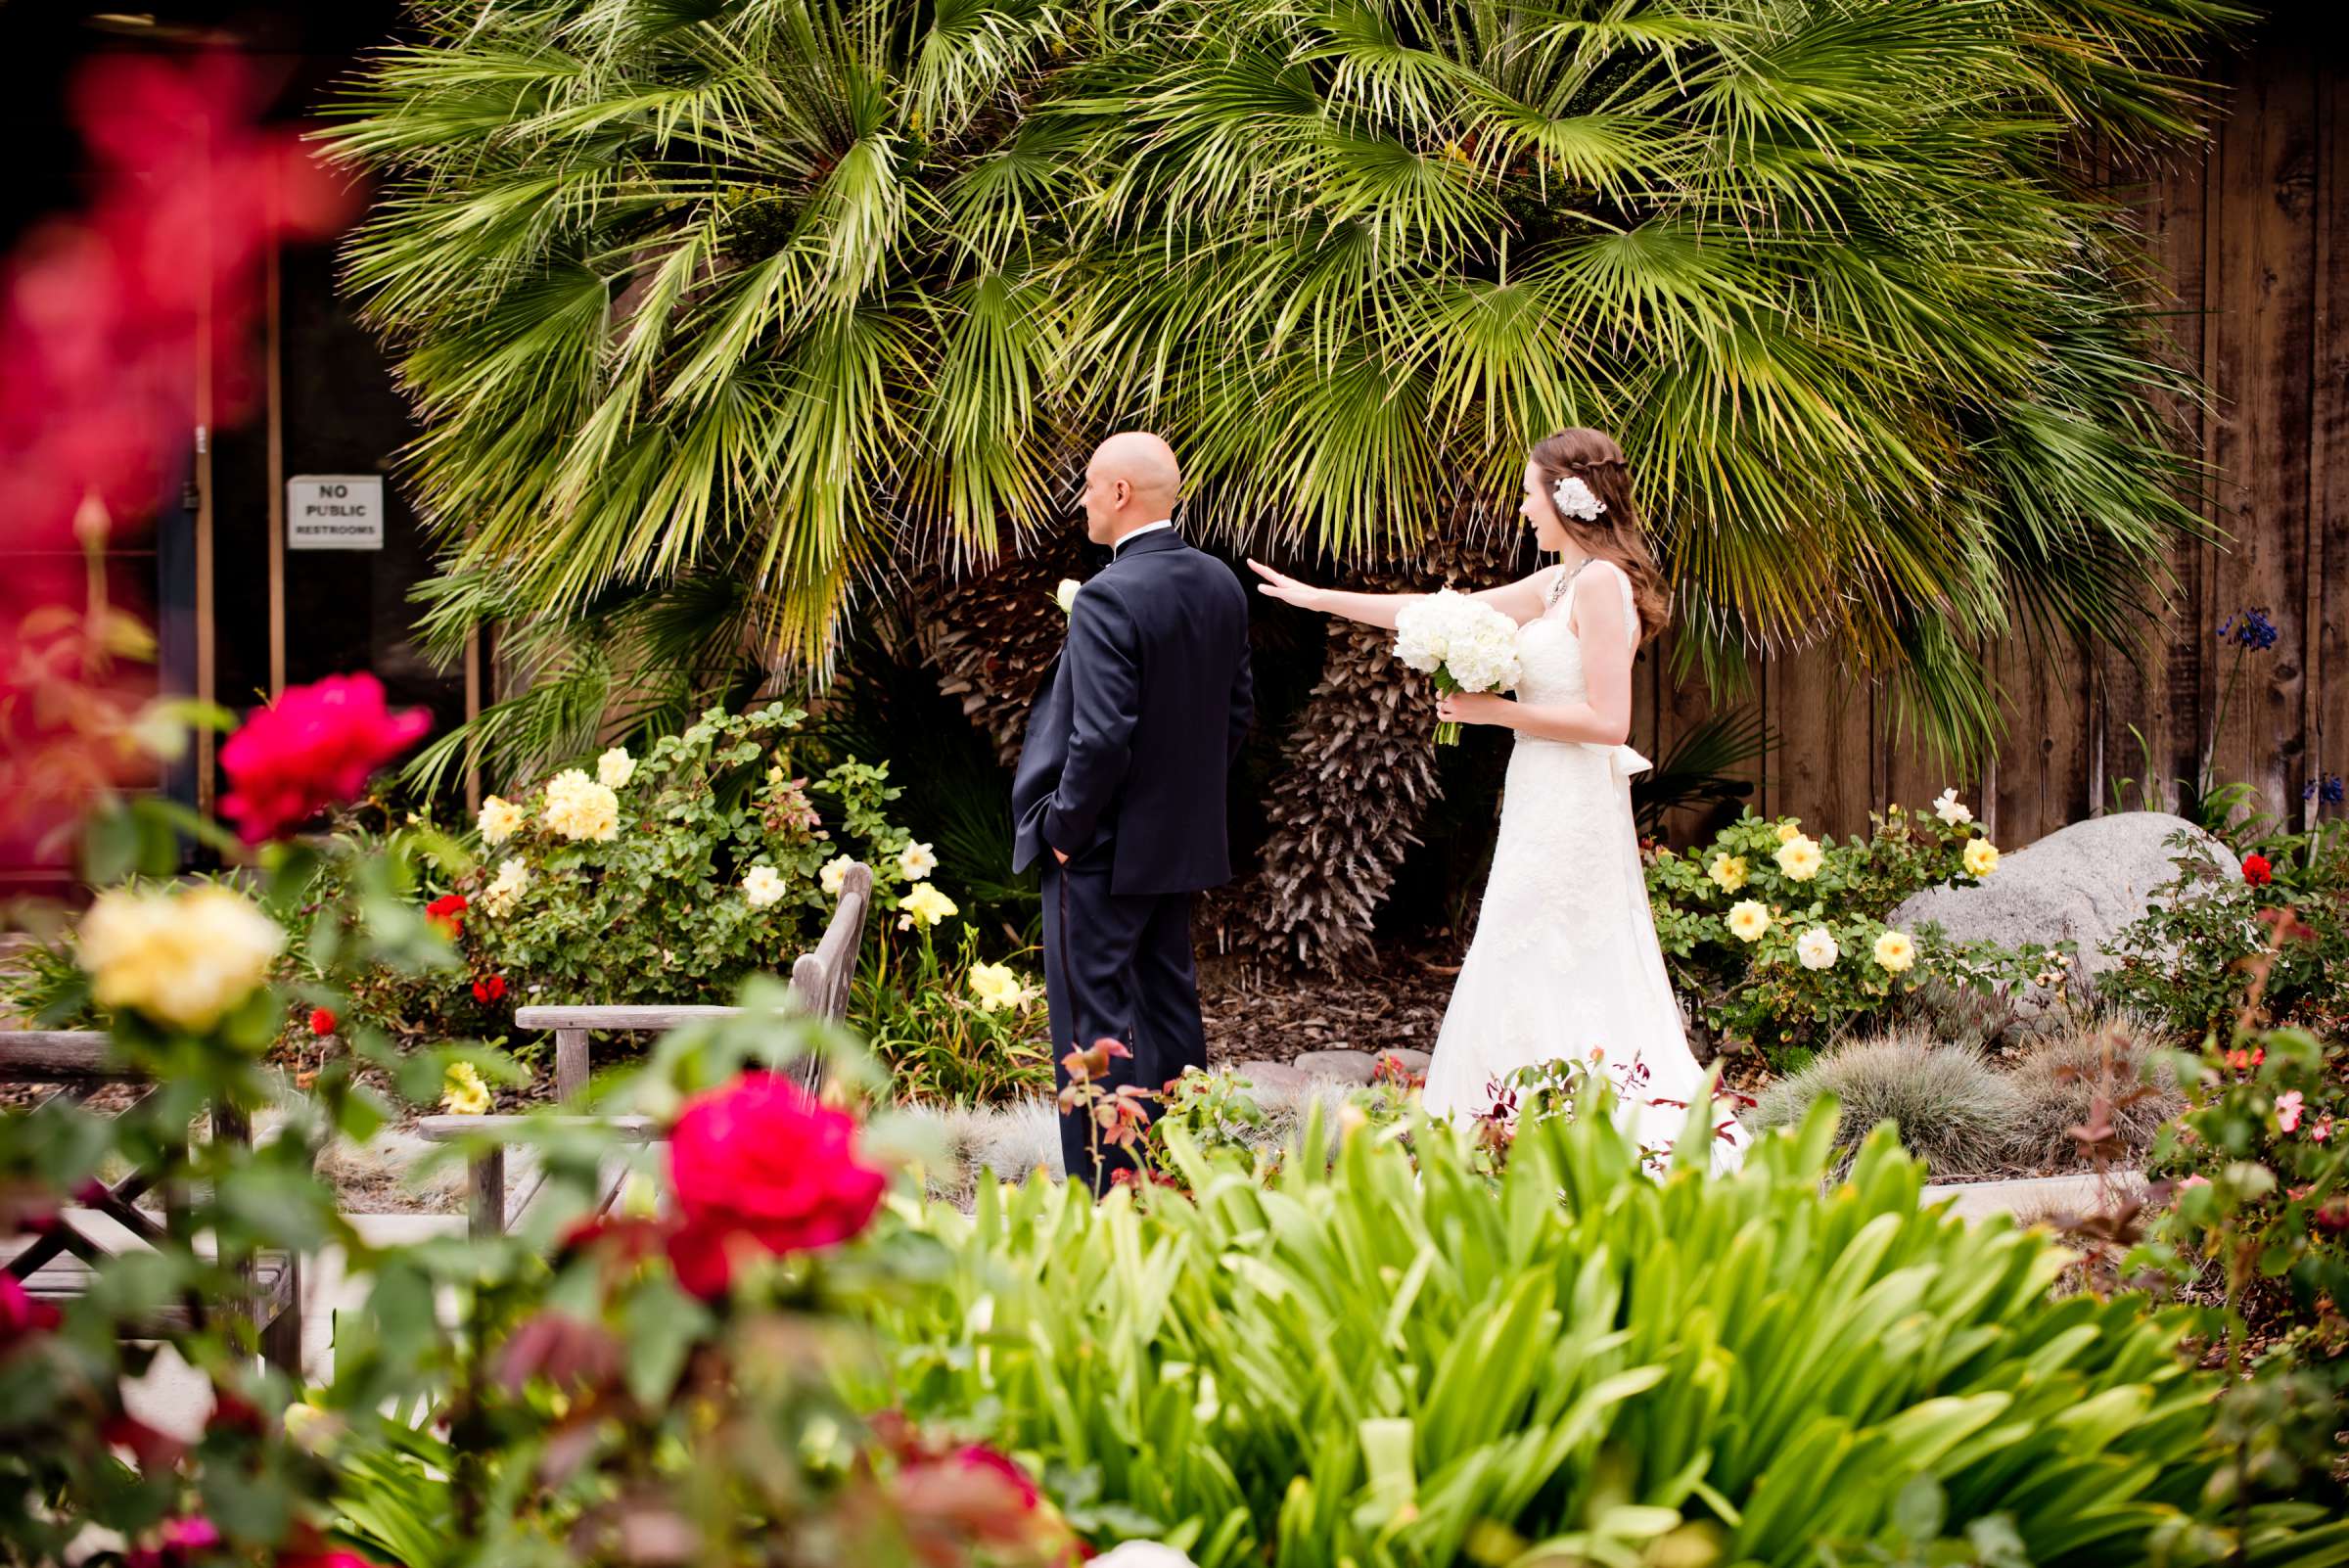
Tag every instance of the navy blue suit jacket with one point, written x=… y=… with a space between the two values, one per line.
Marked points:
x=1131 y=741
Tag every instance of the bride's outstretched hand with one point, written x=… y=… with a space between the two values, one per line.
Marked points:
x=1285 y=588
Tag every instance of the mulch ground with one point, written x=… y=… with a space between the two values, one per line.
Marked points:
x=1395 y=1005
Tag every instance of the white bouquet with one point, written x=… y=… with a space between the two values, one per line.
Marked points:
x=1466 y=644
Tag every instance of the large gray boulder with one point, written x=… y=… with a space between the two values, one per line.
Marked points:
x=2085 y=883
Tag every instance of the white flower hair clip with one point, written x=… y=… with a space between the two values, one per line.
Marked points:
x=1576 y=499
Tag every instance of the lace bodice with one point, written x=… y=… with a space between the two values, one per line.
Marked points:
x=1551 y=655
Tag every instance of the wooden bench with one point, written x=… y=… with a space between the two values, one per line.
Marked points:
x=819 y=988
x=59 y=1263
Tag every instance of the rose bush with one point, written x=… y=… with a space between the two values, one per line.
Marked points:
x=2190 y=959
x=1778 y=940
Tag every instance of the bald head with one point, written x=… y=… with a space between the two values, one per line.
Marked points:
x=1131 y=482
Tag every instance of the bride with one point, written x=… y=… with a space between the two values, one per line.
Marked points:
x=1564 y=964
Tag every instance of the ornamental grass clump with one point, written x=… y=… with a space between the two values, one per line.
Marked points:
x=1395 y=1359
x=1946 y=1105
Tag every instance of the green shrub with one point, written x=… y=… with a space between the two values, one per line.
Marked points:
x=2188 y=959
x=666 y=908
x=1736 y=917
x=2257 y=1172
x=1947 y=1106
x=1396 y=1362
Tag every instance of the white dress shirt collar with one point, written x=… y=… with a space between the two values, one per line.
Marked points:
x=1147 y=528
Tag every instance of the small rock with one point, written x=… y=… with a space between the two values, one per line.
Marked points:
x=1347 y=1067
x=1410 y=1061
x=1273 y=1080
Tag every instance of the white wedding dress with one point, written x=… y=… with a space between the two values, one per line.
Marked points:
x=1565 y=964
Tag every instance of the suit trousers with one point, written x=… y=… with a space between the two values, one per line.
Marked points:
x=1117 y=966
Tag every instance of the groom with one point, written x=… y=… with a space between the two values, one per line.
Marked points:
x=1120 y=789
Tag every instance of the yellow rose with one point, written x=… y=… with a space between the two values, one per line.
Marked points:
x=182 y=958
x=465 y=1094
x=1728 y=870
x=614 y=768
x=579 y=809
x=1748 y=920
x=1895 y=952
x=1800 y=858
x=1981 y=858
x=1788 y=831
x=500 y=820
x=924 y=906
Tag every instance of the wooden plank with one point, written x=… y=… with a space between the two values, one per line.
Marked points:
x=45 y=1055
x=485 y=1202
x=507 y=1129
x=619 y=1019
x=2148 y=710
x=2327 y=714
x=1825 y=773
x=571 y=1063
x=2264 y=290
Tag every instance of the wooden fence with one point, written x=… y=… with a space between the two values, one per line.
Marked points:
x=2251 y=237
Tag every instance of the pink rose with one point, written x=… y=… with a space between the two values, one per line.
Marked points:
x=2321 y=1131
x=194 y=1532
x=312 y=749
x=21 y=1316
x=760 y=1162
x=2288 y=1110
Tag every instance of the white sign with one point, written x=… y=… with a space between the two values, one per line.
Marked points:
x=335 y=511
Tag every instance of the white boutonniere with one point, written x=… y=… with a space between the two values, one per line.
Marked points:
x=1065 y=595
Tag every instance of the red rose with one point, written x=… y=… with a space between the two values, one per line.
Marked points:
x=447 y=912
x=21 y=1316
x=488 y=991
x=322 y=1020
x=312 y=749
x=2257 y=871
x=978 y=1456
x=760 y=1161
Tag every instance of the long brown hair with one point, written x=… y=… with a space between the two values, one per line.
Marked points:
x=1615 y=535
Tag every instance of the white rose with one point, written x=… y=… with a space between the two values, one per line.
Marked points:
x=512 y=878
x=500 y=820
x=763 y=886
x=915 y=862
x=835 y=874
x=1950 y=809
x=614 y=768
x=580 y=809
x=1817 y=948
x=1065 y=595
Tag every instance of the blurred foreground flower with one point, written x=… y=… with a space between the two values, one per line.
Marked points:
x=182 y=958
x=761 y=1163
x=313 y=748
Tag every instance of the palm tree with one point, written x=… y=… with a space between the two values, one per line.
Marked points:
x=1817 y=262
x=687 y=289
